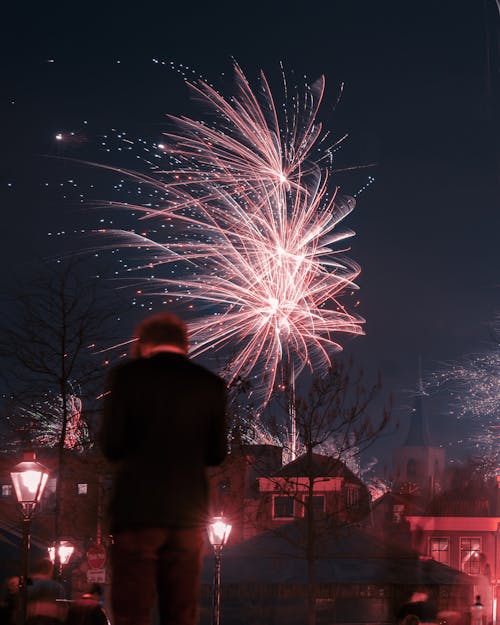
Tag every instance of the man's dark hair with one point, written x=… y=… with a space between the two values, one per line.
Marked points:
x=163 y=329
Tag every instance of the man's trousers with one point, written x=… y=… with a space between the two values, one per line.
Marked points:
x=156 y=563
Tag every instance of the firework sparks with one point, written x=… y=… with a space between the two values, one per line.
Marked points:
x=253 y=245
x=474 y=386
x=42 y=422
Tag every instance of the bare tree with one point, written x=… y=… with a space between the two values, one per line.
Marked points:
x=334 y=425
x=334 y=420
x=50 y=342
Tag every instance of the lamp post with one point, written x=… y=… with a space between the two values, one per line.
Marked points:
x=218 y=533
x=29 y=479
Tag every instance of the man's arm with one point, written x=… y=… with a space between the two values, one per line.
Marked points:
x=217 y=438
x=114 y=437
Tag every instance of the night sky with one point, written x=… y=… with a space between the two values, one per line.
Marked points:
x=421 y=100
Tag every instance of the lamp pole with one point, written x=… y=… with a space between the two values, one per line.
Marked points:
x=25 y=550
x=218 y=534
x=29 y=479
x=216 y=593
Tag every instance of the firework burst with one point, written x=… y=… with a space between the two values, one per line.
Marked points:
x=41 y=423
x=474 y=387
x=253 y=243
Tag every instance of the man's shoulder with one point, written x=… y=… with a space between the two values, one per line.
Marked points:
x=122 y=369
x=203 y=371
x=138 y=365
x=131 y=365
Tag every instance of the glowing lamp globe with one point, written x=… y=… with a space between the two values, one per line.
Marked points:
x=65 y=552
x=218 y=532
x=29 y=478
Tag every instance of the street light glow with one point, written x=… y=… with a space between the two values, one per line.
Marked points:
x=65 y=551
x=29 y=479
x=218 y=532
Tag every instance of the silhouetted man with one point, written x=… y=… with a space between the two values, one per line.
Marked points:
x=163 y=423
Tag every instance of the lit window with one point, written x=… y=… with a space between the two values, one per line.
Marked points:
x=82 y=489
x=282 y=507
x=440 y=550
x=6 y=490
x=470 y=549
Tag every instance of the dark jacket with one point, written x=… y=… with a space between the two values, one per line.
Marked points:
x=163 y=423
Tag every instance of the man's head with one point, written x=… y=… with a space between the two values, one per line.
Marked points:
x=163 y=332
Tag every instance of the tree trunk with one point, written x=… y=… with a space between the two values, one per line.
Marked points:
x=310 y=544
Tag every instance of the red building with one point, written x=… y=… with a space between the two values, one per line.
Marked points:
x=454 y=521
x=263 y=498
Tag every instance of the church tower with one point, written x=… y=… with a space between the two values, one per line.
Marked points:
x=418 y=465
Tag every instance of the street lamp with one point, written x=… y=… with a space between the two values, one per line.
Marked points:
x=29 y=478
x=64 y=550
x=218 y=533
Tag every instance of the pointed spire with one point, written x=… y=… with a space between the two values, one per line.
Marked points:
x=421 y=389
x=418 y=431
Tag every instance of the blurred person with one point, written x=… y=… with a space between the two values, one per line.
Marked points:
x=163 y=424
x=45 y=603
x=419 y=605
x=95 y=592
x=9 y=606
x=477 y=611
x=87 y=610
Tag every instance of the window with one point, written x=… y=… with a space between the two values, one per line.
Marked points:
x=6 y=490
x=282 y=507
x=318 y=505
x=398 y=512
x=337 y=502
x=352 y=497
x=470 y=549
x=51 y=485
x=225 y=486
x=82 y=489
x=411 y=469
x=440 y=550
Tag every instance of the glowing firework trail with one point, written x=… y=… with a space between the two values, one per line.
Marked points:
x=253 y=237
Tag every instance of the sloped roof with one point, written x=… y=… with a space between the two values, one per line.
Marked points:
x=415 y=503
x=317 y=466
x=346 y=556
x=462 y=503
